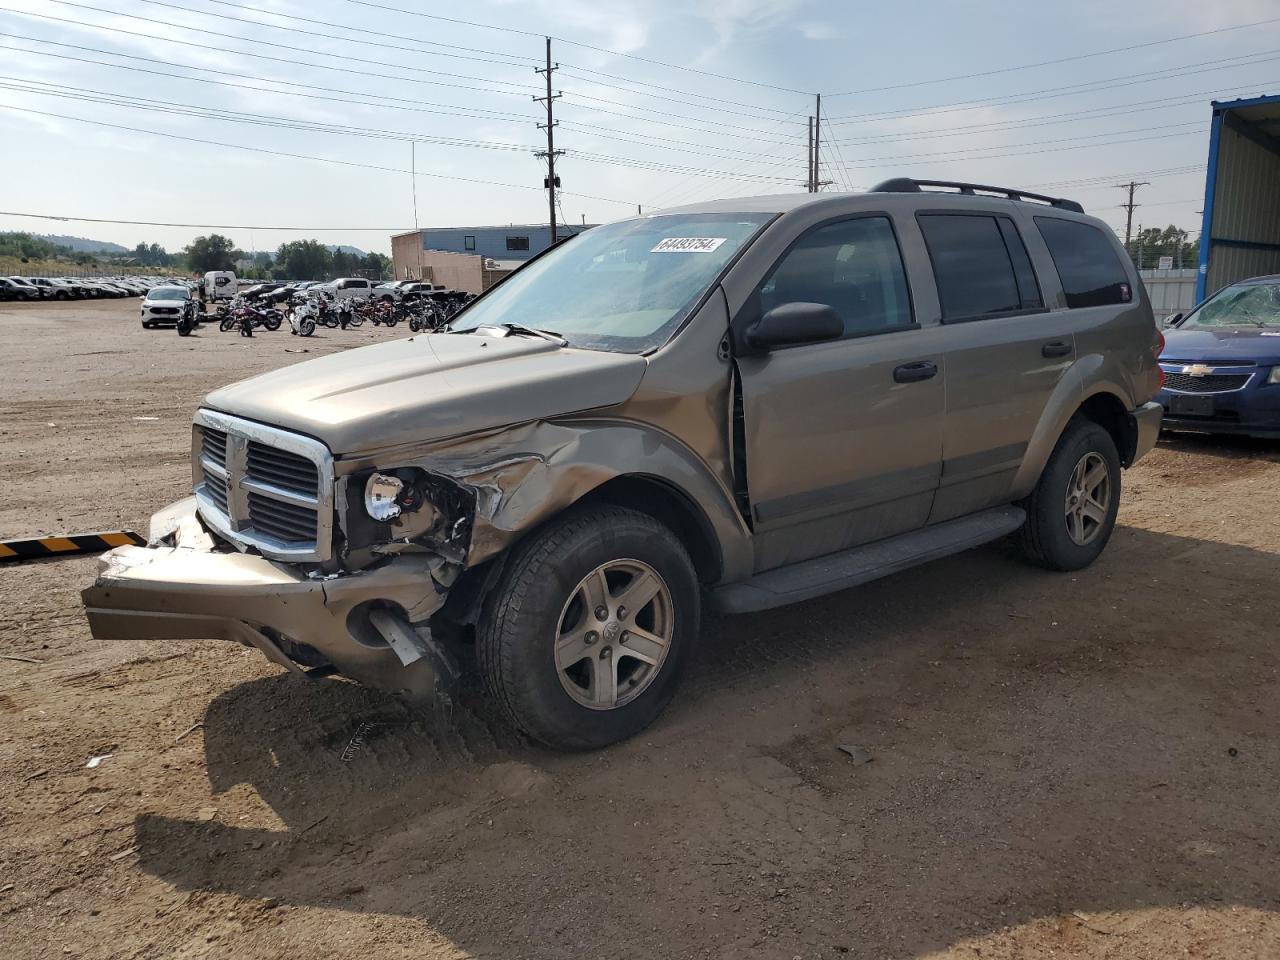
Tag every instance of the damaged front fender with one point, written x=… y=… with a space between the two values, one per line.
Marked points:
x=507 y=482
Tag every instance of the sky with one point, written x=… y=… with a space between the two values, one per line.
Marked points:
x=334 y=119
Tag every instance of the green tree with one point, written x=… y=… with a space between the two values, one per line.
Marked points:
x=213 y=252
x=302 y=260
x=1151 y=243
x=376 y=266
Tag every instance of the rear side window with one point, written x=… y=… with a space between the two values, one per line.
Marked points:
x=981 y=266
x=1091 y=272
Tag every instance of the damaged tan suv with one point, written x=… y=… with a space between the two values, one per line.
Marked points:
x=746 y=403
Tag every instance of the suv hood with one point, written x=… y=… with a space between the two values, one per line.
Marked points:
x=1232 y=343
x=430 y=387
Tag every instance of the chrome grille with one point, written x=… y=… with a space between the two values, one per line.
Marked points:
x=263 y=488
x=282 y=468
x=281 y=520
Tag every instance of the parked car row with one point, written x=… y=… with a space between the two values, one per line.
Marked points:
x=76 y=288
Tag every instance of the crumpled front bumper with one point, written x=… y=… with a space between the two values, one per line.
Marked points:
x=192 y=590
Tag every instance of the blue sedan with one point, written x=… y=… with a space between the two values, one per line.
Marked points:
x=1221 y=363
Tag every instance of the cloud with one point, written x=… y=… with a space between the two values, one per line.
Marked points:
x=813 y=30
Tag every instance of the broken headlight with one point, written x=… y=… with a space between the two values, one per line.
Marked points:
x=382 y=493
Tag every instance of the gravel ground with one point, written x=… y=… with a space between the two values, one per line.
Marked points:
x=1060 y=765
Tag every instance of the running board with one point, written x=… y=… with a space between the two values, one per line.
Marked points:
x=838 y=571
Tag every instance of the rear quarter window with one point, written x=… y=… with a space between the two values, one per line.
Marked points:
x=1091 y=272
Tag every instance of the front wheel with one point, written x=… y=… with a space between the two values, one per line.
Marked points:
x=1072 y=510
x=590 y=628
x=307 y=327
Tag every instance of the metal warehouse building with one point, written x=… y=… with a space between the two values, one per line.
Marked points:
x=1240 y=236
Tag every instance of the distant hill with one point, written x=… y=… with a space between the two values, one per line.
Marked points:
x=83 y=244
x=334 y=248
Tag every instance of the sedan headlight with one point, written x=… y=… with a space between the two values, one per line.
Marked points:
x=381 y=497
x=1274 y=376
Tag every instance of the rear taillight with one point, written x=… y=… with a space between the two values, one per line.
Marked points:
x=1159 y=354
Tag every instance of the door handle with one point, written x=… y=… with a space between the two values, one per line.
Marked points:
x=915 y=372
x=1055 y=348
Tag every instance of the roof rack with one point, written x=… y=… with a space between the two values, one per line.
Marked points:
x=908 y=185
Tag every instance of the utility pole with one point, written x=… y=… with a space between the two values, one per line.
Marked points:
x=817 y=142
x=1131 y=186
x=552 y=182
x=413 y=180
x=809 y=181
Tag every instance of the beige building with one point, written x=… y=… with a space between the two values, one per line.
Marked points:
x=457 y=271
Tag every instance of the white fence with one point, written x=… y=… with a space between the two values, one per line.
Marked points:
x=1171 y=291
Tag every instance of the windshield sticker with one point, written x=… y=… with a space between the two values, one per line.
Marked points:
x=688 y=245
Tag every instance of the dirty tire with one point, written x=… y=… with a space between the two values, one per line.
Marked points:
x=517 y=632
x=1044 y=539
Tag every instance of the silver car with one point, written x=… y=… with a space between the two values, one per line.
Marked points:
x=743 y=404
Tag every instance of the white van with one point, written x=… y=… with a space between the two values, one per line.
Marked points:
x=218 y=285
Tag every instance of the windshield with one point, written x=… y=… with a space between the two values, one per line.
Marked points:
x=168 y=293
x=1242 y=305
x=625 y=286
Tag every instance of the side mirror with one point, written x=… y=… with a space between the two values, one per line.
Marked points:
x=1170 y=321
x=791 y=324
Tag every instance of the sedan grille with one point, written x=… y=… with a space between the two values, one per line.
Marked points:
x=1211 y=383
x=263 y=488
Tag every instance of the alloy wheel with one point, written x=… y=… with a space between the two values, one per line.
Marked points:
x=1088 y=499
x=614 y=634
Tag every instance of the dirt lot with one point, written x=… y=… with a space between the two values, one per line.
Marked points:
x=1070 y=766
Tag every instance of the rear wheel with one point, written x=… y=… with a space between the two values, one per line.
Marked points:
x=590 y=628
x=1072 y=511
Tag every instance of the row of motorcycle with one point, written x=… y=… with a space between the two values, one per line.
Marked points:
x=306 y=311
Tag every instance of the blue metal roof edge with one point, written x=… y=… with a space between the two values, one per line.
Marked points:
x=1219 y=105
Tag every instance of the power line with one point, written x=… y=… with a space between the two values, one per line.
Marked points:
x=218 y=113
x=448 y=110
x=325 y=23
x=232 y=36
x=294 y=156
x=292 y=62
x=586 y=46
x=1071 y=59
x=1042 y=120
x=510 y=60
x=1108 y=177
x=669 y=195
x=748 y=133
x=177 y=108
x=610 y=133
x=880 y=161
x=200 y=226
x=349 y=28
x=1050 y=93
